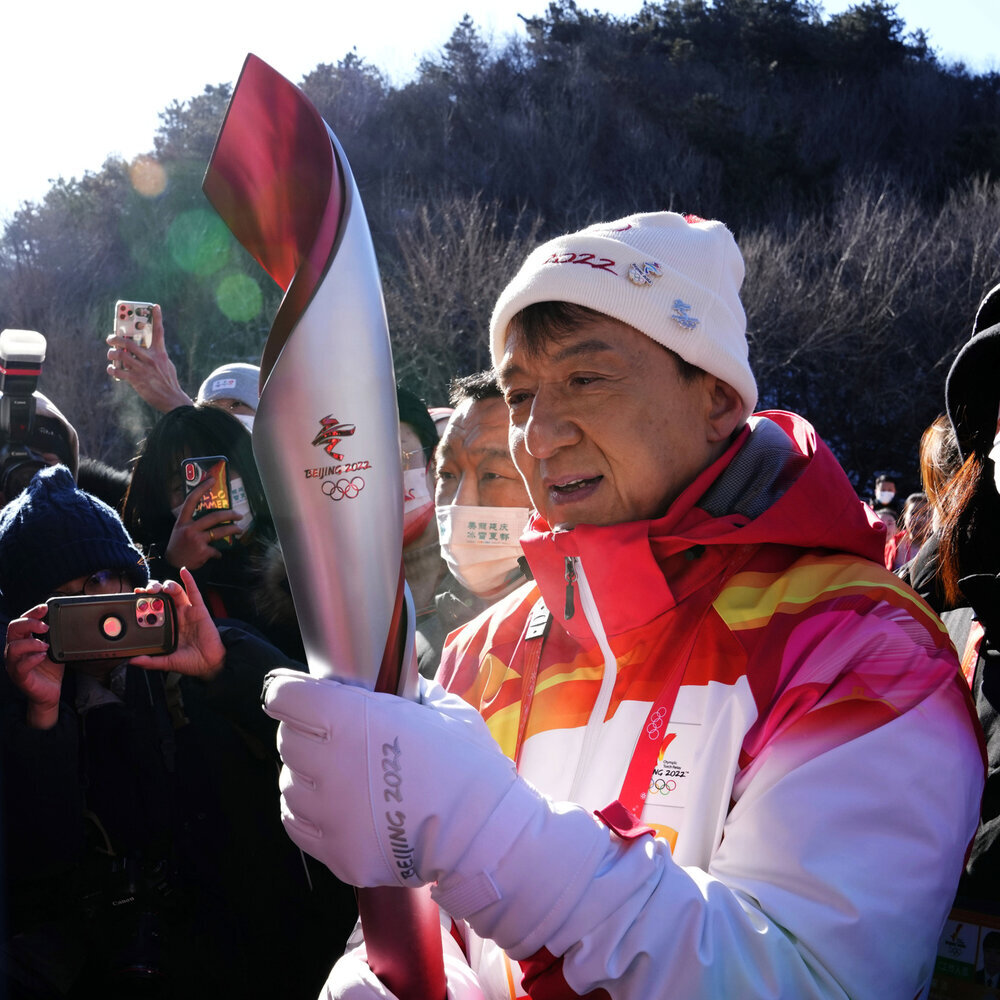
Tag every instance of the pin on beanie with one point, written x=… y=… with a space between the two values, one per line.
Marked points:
x=54 y=532
x=673 y=277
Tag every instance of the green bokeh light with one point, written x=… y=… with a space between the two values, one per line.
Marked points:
x=239 y=297
x=198 y=242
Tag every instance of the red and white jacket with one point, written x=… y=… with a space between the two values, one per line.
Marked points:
x=744 y=677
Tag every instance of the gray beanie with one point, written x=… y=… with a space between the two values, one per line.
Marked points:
x=235 y=381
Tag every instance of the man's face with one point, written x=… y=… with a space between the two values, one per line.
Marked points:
x=474 y=467
x=603 y=427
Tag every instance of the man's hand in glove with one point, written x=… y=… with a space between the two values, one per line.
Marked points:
x=386 y=791
x=382 y=790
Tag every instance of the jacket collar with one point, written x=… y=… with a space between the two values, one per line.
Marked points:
x=637 y=570
x=776 y=484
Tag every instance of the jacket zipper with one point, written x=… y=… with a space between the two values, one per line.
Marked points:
x=570 y=580
x=592 y=732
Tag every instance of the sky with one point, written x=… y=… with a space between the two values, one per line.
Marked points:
x=80 y=82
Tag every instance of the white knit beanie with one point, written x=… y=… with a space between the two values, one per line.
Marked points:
x=675 y=278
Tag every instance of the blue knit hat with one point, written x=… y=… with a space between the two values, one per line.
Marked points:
x=54 y=532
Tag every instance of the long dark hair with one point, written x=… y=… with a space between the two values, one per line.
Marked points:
x=187 y=432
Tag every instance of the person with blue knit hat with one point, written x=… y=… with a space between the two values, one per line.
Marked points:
x=55 y=532
x=57 y=540
x=142 y=845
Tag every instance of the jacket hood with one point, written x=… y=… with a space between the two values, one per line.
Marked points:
x=970 y=391
x=778 y=484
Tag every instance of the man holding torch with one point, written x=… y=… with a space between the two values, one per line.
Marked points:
x=713 y=748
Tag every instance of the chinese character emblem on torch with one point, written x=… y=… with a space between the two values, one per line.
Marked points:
x=326 y=434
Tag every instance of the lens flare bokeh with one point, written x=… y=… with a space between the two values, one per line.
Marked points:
x=147 y=176
x=199 y=242
x=239 y=297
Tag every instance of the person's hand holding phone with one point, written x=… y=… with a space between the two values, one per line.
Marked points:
x=191 y=540
x=37 y=677
x=200 y=652
x=148 y=370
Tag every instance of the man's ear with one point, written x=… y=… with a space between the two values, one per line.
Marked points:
x=725 y=412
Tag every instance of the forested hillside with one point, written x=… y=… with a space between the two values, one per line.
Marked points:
x=858 y=172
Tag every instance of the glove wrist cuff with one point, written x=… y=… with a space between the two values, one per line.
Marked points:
x=471 y=886
x=523 y=875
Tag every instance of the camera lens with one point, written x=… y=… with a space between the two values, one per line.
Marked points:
x=17 y=477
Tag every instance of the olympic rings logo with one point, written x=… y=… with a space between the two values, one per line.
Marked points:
x=343 y=489
x=655 y=723
x=663 y=786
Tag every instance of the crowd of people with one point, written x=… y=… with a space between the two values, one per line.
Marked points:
x=685 y=701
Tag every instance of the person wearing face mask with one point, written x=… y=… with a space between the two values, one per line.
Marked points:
x=223 y=549
x=884 y=497
x=422 y=562
x=482 y=508
x=233 y=388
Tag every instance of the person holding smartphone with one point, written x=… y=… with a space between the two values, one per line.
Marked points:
x=224 y=549
x=143 y=363
x=142 y=838
x=148 y=369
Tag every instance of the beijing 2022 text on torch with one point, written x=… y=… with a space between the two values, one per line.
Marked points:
x=326 y=434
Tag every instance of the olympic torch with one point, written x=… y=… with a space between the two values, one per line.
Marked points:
x=326 y=434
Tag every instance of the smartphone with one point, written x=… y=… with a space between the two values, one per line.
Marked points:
x=134 y=321
x=115 y=626
x=194 y=471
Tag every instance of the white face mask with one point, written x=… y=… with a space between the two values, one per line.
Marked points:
x=480 y=545
x=246 y=419
x=241 y=505
x=884 y=496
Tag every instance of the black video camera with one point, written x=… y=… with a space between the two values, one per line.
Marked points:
x=21 y=355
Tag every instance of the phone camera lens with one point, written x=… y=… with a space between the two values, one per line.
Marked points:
x=156 y=604
x=141 y=605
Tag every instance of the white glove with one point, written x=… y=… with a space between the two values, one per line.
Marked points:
x=386 y=791
x=352 y=979
x=382 y=790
